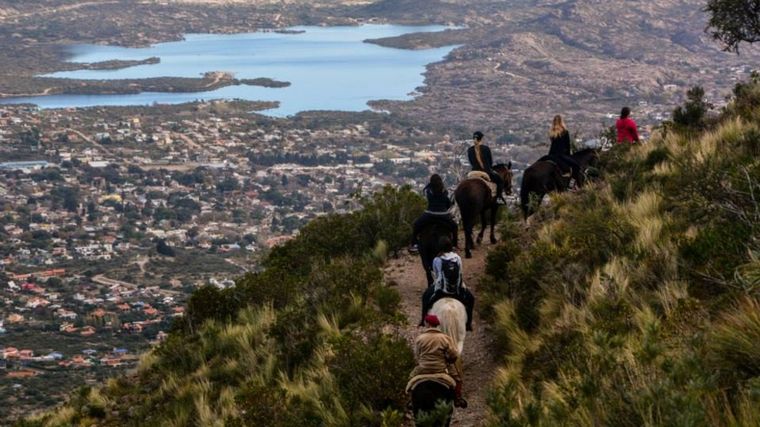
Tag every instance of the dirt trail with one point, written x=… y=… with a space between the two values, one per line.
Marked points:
x=479 y=364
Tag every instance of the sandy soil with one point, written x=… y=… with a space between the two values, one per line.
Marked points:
x=479 y=363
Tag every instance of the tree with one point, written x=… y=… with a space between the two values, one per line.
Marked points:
x=692 y=113
x=192 y=233
x=67 y=196
x=228 y=184
x=386 y=167
x=163 y=249
x=734 y=21
x=30 y=136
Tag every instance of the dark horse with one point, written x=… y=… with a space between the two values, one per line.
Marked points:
x=546 y=176
x=429 y=239
x=426 y=395
x=474 y=200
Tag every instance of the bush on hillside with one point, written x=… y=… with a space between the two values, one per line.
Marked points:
x=691 y=116
x=371 y=372
x=734 y=342
x=387 y=216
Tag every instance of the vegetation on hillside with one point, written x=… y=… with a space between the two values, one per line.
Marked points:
x=733 y=22
x=637 y=301
x=301 y=343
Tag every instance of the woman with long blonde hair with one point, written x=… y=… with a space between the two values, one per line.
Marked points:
x=559 y=151
x=558 y=127
x=481 y=160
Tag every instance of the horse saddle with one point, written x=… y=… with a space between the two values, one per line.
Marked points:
x=443 y=378
x=565 y=170
x=485 y=178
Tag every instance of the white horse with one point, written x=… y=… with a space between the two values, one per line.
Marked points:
x=453 y=317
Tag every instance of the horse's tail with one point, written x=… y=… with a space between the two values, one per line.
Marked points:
x=525 y=192
x=453 y=317
x=469 y=205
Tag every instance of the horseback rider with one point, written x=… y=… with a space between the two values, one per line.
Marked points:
x=438 y=366
x=447 y=282
x=559 y=152
x=438 y=206
x=481 y=160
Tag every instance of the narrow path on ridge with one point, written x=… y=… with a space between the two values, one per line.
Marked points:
x=479 y=364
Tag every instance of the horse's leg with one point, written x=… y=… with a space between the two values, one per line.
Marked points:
x=468 y=244
x=428 y=272
x=494 y=214
x=483 y=225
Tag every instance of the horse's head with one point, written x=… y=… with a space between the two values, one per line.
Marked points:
x=586 y=157
x=505 y=171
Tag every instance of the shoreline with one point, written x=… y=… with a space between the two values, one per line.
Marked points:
x=211 y=81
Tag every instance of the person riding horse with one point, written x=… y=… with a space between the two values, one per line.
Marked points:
x=559 y=152
x=545 y=176
x=438 y=206
x=481 y=160
x=447 y=282
x=438 y=373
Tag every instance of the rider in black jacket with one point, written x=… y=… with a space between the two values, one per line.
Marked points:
x=559 y=151
x=437 y=209
x=481 y=160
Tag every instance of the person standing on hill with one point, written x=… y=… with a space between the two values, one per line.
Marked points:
x=627 y=130
x=481 y=160
x=438 y=206
x=560 y=148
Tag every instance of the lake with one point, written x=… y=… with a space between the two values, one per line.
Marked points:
x=329 y=68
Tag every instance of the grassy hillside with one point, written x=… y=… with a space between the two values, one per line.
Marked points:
x=302 y=343
x=637 y=301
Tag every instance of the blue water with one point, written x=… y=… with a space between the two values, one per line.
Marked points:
x=329 y=68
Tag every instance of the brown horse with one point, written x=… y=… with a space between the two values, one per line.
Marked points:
x=546 y=176
x=474 y=200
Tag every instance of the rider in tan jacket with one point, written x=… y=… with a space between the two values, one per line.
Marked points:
x=437 y=358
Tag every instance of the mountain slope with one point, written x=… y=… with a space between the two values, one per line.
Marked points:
x=635 y=302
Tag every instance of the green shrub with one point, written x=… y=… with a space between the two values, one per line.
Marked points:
x=713 y=256
x=692 y=114
x=371 y=372
x=554 y=353
x=209 y=302
x=388 y=299
x=388 y=215
x=655 y=157
x=734 y=342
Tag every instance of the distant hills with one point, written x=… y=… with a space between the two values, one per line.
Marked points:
x=520 y=62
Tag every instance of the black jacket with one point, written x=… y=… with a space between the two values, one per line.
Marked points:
x=437 y=202
x=485 y=153
x=560 y=145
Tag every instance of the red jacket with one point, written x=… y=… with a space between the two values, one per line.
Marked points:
x=626 y=131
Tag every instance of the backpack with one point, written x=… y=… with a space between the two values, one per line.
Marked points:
x=450 y=272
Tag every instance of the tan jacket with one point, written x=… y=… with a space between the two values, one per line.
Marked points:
x=436 y=353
